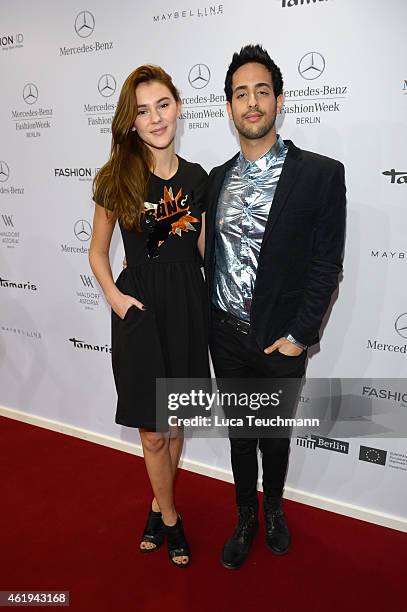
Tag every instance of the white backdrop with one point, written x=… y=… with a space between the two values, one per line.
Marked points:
x=62 y=66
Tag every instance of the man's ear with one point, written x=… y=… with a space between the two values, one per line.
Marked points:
x=229 y=110
x=280 y=102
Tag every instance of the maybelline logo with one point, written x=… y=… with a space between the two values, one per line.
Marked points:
x=14 y=285
x=313 y=442
x=389 y=255
x=310 y=101
x=9 y=235
x=89 y=295
x=372 y=455
x=207 y=11
x=400 y=326
x=82 y=174
x=201 y=106
x=84 y=27
x=11 y=41
x=4 y=177
x=82 y=230
x=28 y=333
x=396 y=176
x=80 y=344
x=289 y=3
x=386 y=394
x=32 y=120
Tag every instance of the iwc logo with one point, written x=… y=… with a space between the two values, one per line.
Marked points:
x=311 y=66
x=107 y=85
x=199 y=76
x=84 y=24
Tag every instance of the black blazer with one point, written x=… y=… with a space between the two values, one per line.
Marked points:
x=302 y=249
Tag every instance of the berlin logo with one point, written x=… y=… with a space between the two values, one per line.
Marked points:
x=401 y=325
x=4 y=172
x=311 y=66
x=313 y=442
x=30 y=93
x=107 y=85
x=84 y=24
x=83 y=230
x=199 y=76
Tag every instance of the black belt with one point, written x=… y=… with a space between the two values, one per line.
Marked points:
x=225 y=317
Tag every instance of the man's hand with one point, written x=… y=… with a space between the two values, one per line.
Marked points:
x=285 y=347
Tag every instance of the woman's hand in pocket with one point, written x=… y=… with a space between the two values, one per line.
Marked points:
x=123 y=302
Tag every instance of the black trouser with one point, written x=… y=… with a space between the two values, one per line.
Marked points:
x=237 y=355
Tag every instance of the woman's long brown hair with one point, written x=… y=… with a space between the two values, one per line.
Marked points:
x=121 y=184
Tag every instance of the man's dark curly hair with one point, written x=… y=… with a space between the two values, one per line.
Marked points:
x=249 y=54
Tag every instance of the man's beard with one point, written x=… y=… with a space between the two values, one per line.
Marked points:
x=256 y=132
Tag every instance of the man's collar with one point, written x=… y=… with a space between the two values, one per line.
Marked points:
x=268 y=158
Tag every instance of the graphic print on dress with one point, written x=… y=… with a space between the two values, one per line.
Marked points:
x=170 y=216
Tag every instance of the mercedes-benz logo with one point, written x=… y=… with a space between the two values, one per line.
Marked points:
x=84 y=24
x=311 y=66
x=401 y=325
x=199 y=76
x=30 y=93
x=4 y=172
x=107 y=85
x=83 y=230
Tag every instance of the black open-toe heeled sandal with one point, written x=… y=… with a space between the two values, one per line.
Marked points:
x=153 y=532
x=176 y=542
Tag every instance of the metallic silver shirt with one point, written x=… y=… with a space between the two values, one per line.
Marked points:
x=243 y=208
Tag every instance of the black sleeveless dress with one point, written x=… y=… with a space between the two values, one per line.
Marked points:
x=168 y=339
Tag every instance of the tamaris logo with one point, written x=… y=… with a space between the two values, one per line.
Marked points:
x=396 y=177
x=80 y=344
x=13 y=285
x=288 y=3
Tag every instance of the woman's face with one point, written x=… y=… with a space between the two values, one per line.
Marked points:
x=157 y=112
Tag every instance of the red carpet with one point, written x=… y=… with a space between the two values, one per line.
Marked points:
x=71 y=516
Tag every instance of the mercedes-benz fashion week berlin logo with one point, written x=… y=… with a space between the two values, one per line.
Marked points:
x=401 y=325
x=199 y=76
x=107 y=85
x=84 y=24
x=30 y=93
x=311 y=66
x=83 y=230
x=4 y=172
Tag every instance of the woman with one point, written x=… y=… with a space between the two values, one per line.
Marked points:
x=158 y=301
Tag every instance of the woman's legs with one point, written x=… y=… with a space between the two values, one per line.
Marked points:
x=162 y=455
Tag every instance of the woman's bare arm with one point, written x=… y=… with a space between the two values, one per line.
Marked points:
x=103 y=226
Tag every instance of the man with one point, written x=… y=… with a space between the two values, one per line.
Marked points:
x=275 y=229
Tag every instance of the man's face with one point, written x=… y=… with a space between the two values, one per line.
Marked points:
x=254 y=107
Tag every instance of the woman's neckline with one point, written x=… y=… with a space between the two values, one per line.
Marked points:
x=173 y=175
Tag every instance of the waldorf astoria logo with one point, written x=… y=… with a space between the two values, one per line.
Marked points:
x=195 y=12
x=34 y=118
x=11 y=41
x=311 y=103
x=86 y=346
x=396 y=176
x=88 y=293
x=12 y=284
x=84 y=27
x=330 y=444
x=9 y=235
